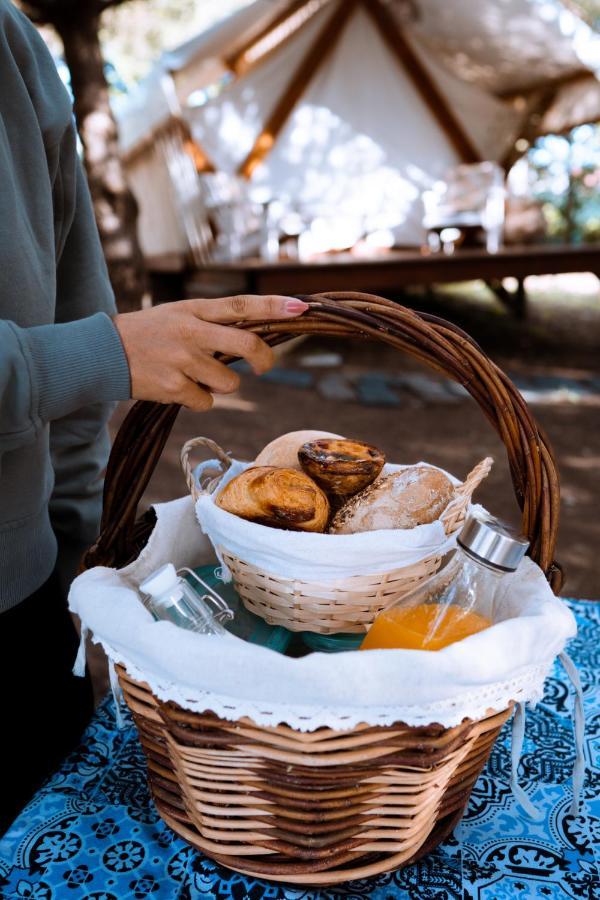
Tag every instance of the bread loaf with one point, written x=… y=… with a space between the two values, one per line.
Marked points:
x=417 y=495
x=279 y=498
x=283 y=451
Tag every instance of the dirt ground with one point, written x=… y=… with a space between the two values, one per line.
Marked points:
x=559 y=343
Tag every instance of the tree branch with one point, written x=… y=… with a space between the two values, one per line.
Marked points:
x=53 y=11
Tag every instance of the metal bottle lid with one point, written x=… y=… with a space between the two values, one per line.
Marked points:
x=492 y=543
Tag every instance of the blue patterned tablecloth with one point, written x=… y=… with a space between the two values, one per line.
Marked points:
x=92 y=832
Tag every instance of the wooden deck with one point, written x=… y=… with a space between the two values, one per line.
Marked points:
x=390 y=272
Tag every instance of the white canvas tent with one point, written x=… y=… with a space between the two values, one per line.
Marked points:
x=349 y=106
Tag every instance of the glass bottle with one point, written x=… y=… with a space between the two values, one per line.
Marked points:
x=460 y=599
x=172 y=598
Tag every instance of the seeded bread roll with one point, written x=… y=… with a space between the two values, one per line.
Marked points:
x=283 y=451
x=279 y=498
x=417 y=495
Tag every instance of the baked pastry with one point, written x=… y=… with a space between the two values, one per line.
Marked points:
x=283 y=451
x=280 y=498
x=341 y=467
x=417 y=495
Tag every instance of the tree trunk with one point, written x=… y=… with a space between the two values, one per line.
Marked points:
x=114 y=204
x=571 y=198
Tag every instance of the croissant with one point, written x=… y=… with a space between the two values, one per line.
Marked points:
x=280 y=498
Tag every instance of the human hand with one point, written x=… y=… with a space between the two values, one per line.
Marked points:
x=170 y=347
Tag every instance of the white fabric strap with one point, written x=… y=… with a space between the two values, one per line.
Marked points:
x=116 y=692
x=518 y=733
x=578 y=729
x=79 y=664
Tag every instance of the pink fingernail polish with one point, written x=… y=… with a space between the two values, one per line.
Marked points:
x=294 y=307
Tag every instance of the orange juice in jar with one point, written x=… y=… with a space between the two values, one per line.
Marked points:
x=459 y=600
x=427 y=626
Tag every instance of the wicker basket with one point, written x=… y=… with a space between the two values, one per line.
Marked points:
x=323 y=807
x=344 y=605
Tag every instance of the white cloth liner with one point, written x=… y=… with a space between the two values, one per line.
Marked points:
x=316 y=556
x=507 y=662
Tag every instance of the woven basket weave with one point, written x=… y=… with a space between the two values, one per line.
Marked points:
x=344 y=605
x=323 y=807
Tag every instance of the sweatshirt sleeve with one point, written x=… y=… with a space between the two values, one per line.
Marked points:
x=92 y=374
x=50 y=371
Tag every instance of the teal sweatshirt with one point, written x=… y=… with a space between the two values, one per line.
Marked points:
x=61 y=359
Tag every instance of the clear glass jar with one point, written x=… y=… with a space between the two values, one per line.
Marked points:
x=464 y=582
x=460 y=599
x=170 y=597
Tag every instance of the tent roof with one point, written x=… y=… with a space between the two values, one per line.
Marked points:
x=576 y=103
x=508 y=47
x=216 y=42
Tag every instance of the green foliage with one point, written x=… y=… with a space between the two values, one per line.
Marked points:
x=136 y=32
x=567 y=174
x=589 y=10
x=133 y=32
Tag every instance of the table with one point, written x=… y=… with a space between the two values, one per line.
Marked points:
x=92 y=831
x=390 y=272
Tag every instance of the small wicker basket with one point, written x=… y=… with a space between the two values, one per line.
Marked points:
x=344 y=605
x=323 y=807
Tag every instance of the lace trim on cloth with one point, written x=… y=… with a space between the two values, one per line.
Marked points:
x=527 y=687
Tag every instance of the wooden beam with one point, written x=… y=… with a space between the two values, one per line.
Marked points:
x=201 y=161
x=390 y=272
x=545 y=84
x=190 y=145
x=317 y=53
x=393 y=36
x=514 y=301
x=236 y=61
x=536 y=106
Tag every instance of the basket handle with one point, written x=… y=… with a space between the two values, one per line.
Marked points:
x=440 y=344
x=455 y=512
x=197 y=490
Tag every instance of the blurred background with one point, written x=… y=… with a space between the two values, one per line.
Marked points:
x=446 y=155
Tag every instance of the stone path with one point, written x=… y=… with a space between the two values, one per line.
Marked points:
x=386 y=389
